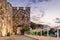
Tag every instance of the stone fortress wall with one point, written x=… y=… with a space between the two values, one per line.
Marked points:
x=12 y=18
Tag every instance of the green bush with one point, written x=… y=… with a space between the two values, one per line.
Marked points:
x=39 y=33
x=44 y=33
x=24 y=30
x=52 y=32
x=33 y=33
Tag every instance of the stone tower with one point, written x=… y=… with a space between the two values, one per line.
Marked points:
x=21 y=17
x=5 y=17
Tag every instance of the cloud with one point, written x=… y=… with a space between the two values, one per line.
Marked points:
x=24 y=2
x=35 y=7
x=51 y=8
x=36 y=1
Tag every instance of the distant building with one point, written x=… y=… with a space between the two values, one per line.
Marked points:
x=43 y=26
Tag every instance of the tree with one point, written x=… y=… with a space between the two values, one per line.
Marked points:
x=33 y=25
x=23 y=30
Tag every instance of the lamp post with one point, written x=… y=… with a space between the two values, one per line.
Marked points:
x=57 y=20
x=57 y=33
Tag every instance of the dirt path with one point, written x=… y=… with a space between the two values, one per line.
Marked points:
x=17 y=37
x=43 y=37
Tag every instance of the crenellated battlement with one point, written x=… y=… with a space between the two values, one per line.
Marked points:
x=21 y=8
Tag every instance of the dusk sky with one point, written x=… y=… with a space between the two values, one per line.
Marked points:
x=50 y=9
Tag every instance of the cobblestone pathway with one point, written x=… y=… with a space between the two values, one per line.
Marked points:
x=17 y=37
